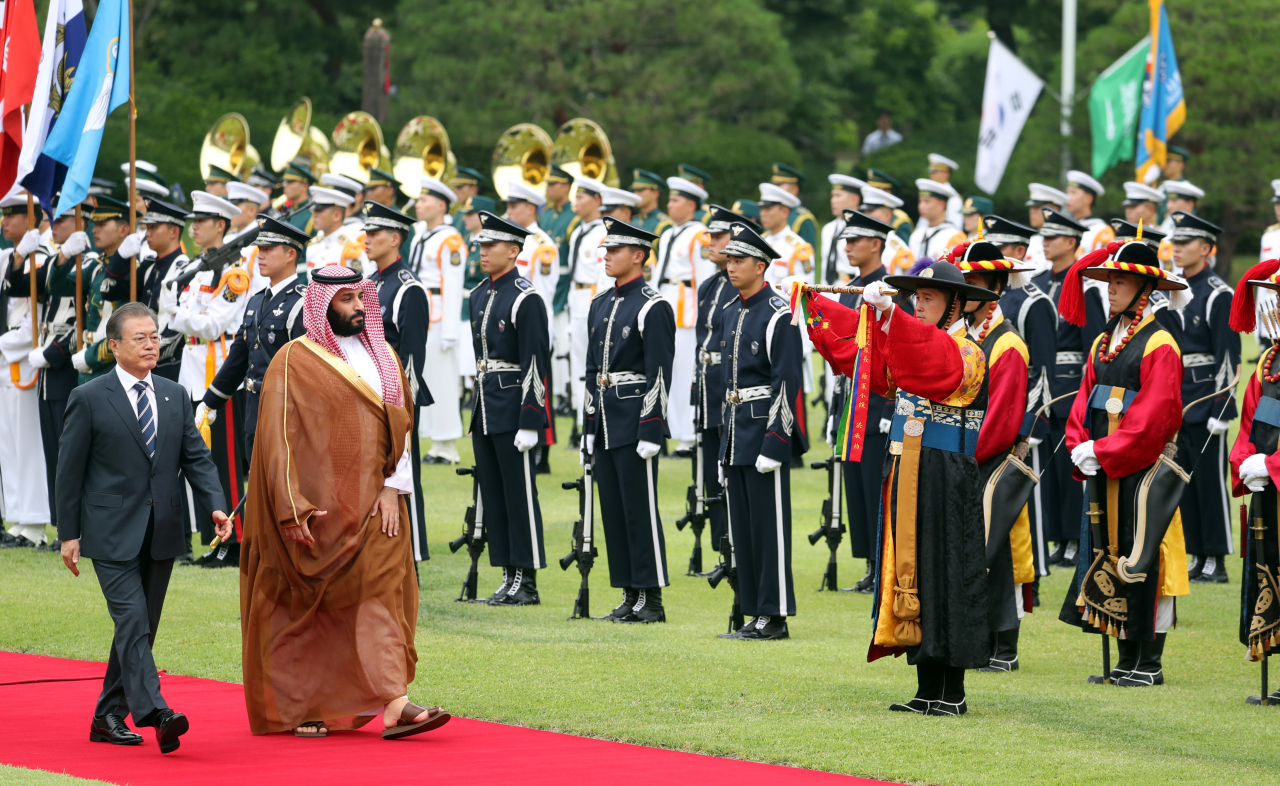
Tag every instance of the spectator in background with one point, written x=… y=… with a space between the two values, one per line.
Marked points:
x=882 y=137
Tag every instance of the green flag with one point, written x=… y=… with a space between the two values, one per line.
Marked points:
x=1115 y=101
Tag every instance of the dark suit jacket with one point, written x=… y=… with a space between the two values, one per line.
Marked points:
x=108 y=486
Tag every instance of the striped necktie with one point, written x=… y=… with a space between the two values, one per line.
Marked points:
x=146 y=419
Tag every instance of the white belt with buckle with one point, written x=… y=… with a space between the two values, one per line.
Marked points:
x=621 y=378
x=743 y=395
x=1070 y=358
x=710 y=358
x=496 y=365
x=1197 y=359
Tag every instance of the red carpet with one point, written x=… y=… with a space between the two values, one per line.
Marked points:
x=41 y=694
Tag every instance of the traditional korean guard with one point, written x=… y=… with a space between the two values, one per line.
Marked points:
x=631 y=334
x=931 y=593
x=764 y=431
x=1133 y=557
x=510 y=408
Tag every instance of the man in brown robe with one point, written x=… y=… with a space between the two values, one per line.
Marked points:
x=328 y=591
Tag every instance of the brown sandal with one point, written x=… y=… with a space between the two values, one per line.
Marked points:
x=321 y=725
x=407 y=727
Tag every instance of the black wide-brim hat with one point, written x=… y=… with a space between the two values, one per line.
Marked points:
x=942 y=275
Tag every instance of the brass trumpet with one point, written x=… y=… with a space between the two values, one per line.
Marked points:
x=358 y=147
x=582 y=149
x=227 y=146
x=522 y=155
x=296 y=137
x=422 y=148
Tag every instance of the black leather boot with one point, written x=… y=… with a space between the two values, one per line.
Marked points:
x=648 y=607
x=1069 y=555
x=766 y=629
x=227 y=556
x=1129 y=650
x=1214 y=570
x=953 y=700
x=929 y=682
x=502 y=589
x=1005 y=657
x=629 y=598
x=1149 y=671
x=523 y=590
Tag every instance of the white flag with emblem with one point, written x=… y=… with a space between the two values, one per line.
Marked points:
x=1010 y=92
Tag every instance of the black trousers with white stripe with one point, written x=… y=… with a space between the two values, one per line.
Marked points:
x=509 y=494
x=1206 y=516
x=760 y=523
x=628 y=489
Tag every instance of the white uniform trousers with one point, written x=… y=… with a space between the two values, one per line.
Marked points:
x=22 y=469
x=681 y=419
x=443 y=419
x=579 y=306
x=560 y=371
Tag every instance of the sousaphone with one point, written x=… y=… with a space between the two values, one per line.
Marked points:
x=227 y=146
x=582 y=149
x=297 y=137
x=358 y=147
x=422 y=148
x=522 y=155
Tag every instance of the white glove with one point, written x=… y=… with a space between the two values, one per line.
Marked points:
x=591 y=444
x=1217 y=427
x=29 y=243
x=78 y=243
x=130 y=246
x=1084 y=458
x=202 y=410
x=447 y=344
x=765 y=465
x=875 y=296
x=784 y=286
x=720 y=473
x=525 y=439
x=77 y=360
x=1033 y=441
x=885 y=425
x=646 y=450
x=1256 y=485
x=37 y=358
x=1254 y=470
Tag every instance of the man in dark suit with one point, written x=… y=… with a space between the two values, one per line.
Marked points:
x=127 y=435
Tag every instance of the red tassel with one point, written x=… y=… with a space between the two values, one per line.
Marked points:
x=1071 y=303
x=1113 y=247
x=957 y=253
x=1243 y=311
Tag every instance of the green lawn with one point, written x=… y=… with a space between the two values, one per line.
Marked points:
x=812 y=701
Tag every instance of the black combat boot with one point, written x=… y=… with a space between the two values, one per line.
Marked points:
x=1070 y=555
x=523 y=590
x=1006 y=652
x=737 y=634
x=1195 y=564
x=1149 y=671
x=648 y=607
x=629 y=598
x=766 y=629
x=1213 y=571
x=492 y=600
x=867 y=584
x=227 y=556
x=1055 y=556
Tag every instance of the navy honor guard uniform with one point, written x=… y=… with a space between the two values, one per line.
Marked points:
x=630 y=351
x=509 y=409
x=764 y=425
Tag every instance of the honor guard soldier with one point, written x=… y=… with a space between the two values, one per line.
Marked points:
x=683 y=263
x=901 y=222
x=436 y=261
x=802 y=221
x=585 y=265
x=1121 y=423
x=466 y=183
x=250 y=200
x=510 y=408
x=1011 y=569
x=620 y=204
x=1062 y=496
x=1180 y=196
x=406 y=313
x=629 y=371
x=384 y=189
x=931 y=594
x=272 y=318
x=474 y=275
x=764 y=432
x=699 y=178
x=1255 y=471
x=846 y=194
x=216 y=181
x=297 y=181
x=972 y=213
x=940 y=170
x=206 y=312
x=539 y=260
x=110 y=229
x=557 y=219
x=864 y=240
x=1030 y=311
x=935 y=235
x=1082 y=192
x=794 y=255
x=352 y=188
x=882 y=206
x=708 y=390
x=160 y=261
x=338 y=243
x=1041 y=196
x=648 y=186
x=1210 y=361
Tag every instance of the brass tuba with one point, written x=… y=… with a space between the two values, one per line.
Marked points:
x=297 y=137
x=227 y=146
x=358 y=147
x=422 y=148
x=583 y=150
x=522 y=155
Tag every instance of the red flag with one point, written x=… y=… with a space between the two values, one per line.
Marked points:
x=21 y=47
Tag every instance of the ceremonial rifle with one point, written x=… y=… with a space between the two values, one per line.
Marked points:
x=216 y=259
x=473 y=536
x=832 y=518
x=584 y=545
x=727 y=570
x=695 y=507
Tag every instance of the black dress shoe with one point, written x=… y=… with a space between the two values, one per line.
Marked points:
x=1273 y=700
x=919 y=706
x=767 y=629
x=111 y=728
x=169 y=727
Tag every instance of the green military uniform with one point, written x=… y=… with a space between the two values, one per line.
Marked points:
x=901 y=222
x=97 y=356
x=655 y=220
x=695 y=175
x=803 y=222
x=977 y=206
x=558 y=222
x=302 y=219
x=465 y=176
x=749 y=210
x=219 y=175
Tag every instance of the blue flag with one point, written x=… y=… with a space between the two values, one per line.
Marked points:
x=101 y=84
x=1163 y=104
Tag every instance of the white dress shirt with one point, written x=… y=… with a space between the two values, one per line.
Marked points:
x=128 y=380
x=363 y=364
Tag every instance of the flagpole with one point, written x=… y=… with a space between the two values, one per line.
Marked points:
x=79 y=290
x=1068 y=79
x=133 y=165
x=31 y=260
